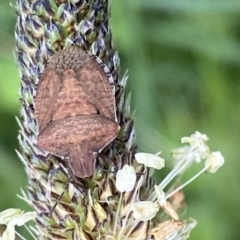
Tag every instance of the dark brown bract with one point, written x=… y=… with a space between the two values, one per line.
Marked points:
x=75 y=109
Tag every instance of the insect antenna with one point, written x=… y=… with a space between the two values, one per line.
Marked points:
x=58 y=200
x=72 y=179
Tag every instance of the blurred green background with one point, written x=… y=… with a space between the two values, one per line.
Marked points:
x=183 y=59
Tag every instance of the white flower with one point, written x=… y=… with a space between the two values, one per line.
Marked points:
x=197 y=142
x=145 y=210
x=150 y=160
x=9 y=233
x=199 y=135
x=12 y=217
x=126 y=179
x=16 y=216
x=214 y=161
x=7 y=215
